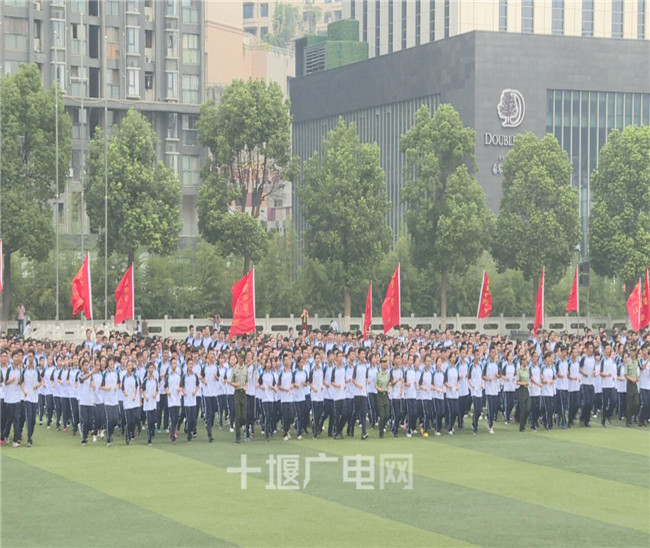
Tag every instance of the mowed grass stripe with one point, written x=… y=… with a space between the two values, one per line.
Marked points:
x=632 y=440
x=43 y=509
x=207 y=498
x=455 y=511
x=578 y=494
x=557 y=450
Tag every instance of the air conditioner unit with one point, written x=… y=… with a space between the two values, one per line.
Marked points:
x=147 y=59
x=70 y=173
x=147 y=17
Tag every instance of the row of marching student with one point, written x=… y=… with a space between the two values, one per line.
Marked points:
x=419 y=382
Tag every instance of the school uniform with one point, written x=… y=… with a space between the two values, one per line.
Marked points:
x=608 y=382
x=425 y=381
x=328 y=402
x=172 y=386
x=267 y=384
x=131 y=403
x=644 y=391
x=535 y=395
x=337 y=376
x=30 y=378
x=47 y=391
x=451 y=396
x=439 y=399
x=190 y=384
x=523 y=396
x=210 y=374
x=508 y=373
x=285 y=381
x=73 y=390
x=250 y=400
x=410 y=398
x=561 y=390
x=397 y=376
x=12 y=397
x=574 y=390
x=347 y=410
x=316 y=378
x=490 y=376
x=464 y=398
x=99 y=414
x=162 y=405
x=64 y=394
x=111 y=380
x=476 y=378
x=86 y=406
x=299 y=377
x=548 y=395
x=588 y=367
x=621 y=390
x=149 y=395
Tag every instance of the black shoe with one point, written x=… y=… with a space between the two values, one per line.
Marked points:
x=210 y=439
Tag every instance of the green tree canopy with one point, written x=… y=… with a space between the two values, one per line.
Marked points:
x=287 y=25
x=538 y=224
x=447 y=217
x=619 y=223
x=144 y=197
x=249 y=138
x=29 y=167
x=345 y=206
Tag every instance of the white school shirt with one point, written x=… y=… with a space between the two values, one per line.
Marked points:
x=361 y=371
x=535 y=374
x=548 y=389
x=172 y=384
x=451 y=378
x=588 y=365
x=250 y=380
x=509 y=381
x=149 y=388
x=492 y=385
x=110 y=380
x=86 y=391
x=574 y=371
x=562 y=367
x=609 y=367
x=621 y=386
x=426 y=379
x=13 y=393
x=190 y=383
x=298 y=378
x=337 y=376
x=476 y=376
x=644 y=375
x=396 y=375
x=410 y=377
x=30 y=378
x=372 y=377
x=98 y=393
x=463 y=370
x=439 y=382
x=266 y=389
x=131 y=385
x=47 y=373
x=285 y=379
x=209 y=373
x=316 y=378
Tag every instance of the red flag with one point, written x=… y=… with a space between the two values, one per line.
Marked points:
x=81 y=291
x=390 y=309
x=634 y=306
x=485 y=301
x=1 y=268
x=367 y=320
x=645 y=302
x=573 y=304
x=243 y=305
x=125 y=298
x=539 y=304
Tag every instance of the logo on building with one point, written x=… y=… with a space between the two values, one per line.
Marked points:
x=511 y=108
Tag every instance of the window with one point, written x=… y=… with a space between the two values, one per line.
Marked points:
x=432 y=21
x=113 y=83
x=148 y=81
x=172 y=125
x=16 y=34
x=587 y=17
x=171 y=84
x=77 y=6
x=171 y=160
x=132 y=40
x=264 y=10
x=191 y=49
x=190 y=170
x=171 y=8
x=58 y=34
x=132 y=82
x=132 y=6
x=148 y=39
x=58 y=75
x=640 y=30
x=190 y=133
x=390 y=26
x=365 y=21
x=251 y=30
x=353 y=9
x=78 y=81
x=265 y=30
x=112 y=7
x=248 y=10
x=403 y=24
x=558 y=17
x=377 y=28
x=190 y=11
x=503 y=15
x=617 y=18
x=418 y=7
x=447 y=7
x=191 y=88
x=112 y=42
x=527 y=16
x=172 y=44
x=338 y=15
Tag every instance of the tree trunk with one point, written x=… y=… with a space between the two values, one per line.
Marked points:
x=347 y=308
x=443 y=300
x=247 y=264
x=6 y=290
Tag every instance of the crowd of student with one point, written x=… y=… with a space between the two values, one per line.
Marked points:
x=421 y=381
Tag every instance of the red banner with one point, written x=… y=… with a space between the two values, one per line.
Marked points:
x=485 y=300
x=243 y=305
x=81 y=291
x=125 y=298
x=539 y=304
x=634 y=306
x=645 y=302
x=367 y=320
x=390 y=309
x=573 y=304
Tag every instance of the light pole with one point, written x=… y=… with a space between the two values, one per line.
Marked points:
x=105 y=174
x=56 y=163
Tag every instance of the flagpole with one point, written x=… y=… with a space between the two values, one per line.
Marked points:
x=640 y=303
x=578 y=298
x=90 y=290
x=399 y=293
x=480 y=297
x=133 y=293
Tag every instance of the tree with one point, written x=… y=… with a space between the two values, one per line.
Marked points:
x=29 y=161
x=447 y=215
x=287 y=25
x=249 y=138
x=538 y=224
x=619 y=223
x=144 y=197
x=345 y=206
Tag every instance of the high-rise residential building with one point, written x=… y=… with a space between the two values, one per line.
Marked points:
x=394 y=25
x=110 y=56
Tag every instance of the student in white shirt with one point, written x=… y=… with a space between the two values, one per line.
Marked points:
x=608 y=374
x=316 y=378
x=491 y=377
x=31 y=382
x=110 y=386
x=131 y=402
x=149 y=396
x=86 y=409
x=173 y=391
x=189 y=388
x=13 y=393
x=210 y=380
x=587 y=371
x=548 y=389
x=268 y=389
x=285 y=386
x=535 y=391
x=424 y=383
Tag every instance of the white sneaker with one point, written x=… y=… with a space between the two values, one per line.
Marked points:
x=94 y=438
x=232 y=430
x=408 y=434
x=286 y=438
x=299 y=437
x=437 y=433
x=491 y=430
x=451 y=432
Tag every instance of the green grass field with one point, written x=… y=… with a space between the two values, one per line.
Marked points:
x=581 y=487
